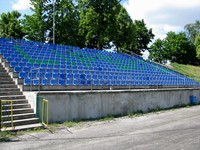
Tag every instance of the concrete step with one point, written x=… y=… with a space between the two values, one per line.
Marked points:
x=19 y=116
x=9 y=89
x=12 y=97
x=17 y=111
x=20 y=101
x=15 y=106
x=21 y=122
x=7 y=82
x=10 y=93
x=3 y=74
x=24 y=127
x=8 y=86
x=23 y=115
x=5 y=78
x=2 y=68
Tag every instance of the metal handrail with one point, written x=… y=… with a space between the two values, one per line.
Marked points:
x=11 y=113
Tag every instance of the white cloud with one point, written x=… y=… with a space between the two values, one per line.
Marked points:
x=160 y=30
x=164 y=15
x=21 y=4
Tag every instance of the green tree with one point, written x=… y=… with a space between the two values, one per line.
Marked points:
x=123 y=31
x=175 y=47
x=192 y=30
x=179 y=48
x=10 y=25
x=197 y=45
x=96 y=19
x=36 y=25
x=67 y=19
x=158 y=52
x=143 y=36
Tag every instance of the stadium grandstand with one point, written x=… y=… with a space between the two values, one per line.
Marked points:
x=47 y=64
x=36 y=66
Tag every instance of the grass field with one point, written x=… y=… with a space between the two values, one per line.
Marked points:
x=187 y=70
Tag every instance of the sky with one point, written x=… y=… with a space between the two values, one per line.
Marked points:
x=164 y=15
x=160 y=15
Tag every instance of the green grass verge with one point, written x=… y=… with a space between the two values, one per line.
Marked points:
x=187 y=70
x=5 y=136
x=158 y=110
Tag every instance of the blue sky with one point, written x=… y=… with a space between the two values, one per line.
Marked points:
x=160 y=15
x=21 y=5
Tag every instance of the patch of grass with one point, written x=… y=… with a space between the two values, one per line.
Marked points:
x=187 y=70
x=158 y=110
x=5 y=136
x=136 y=114
x=108 y=118
x=71 y=124
x=68 y=124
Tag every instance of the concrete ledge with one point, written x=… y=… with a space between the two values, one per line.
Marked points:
x=75 y=105
x=69 y=88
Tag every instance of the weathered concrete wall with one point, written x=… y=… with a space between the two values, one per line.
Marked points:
x=94 y=104
x=31 y=97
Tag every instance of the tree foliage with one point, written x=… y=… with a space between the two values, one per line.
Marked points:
x=10 y=25
x=96 y=21
x=197 y=45
x=84 y=23
x=175 y=47
x=123 y=31
x=158 y=52
x=36 y=25
x=192 y=30
x=67 y=17
x=143 y=36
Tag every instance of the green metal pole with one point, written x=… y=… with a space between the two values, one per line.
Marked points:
x=1 y=115
x=37 y=105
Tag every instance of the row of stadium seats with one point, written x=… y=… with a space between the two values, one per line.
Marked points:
x=101 y=82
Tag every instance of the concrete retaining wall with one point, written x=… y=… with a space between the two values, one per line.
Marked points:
x=95 y=104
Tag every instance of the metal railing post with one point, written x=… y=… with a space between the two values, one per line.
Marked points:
x=44 y=101
x=11 y=112
x=1 y=121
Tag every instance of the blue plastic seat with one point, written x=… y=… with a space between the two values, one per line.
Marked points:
x=22 y=75
x=36 y=81
x=13 y=64
x=31 y=75
x=48 y=75
x=63 y=76
x=27 y=81
x=17 y=69
x=40 y=75
x=45 y=82
x=69 y=82
x=53 y=82
x=21 y=64
x=25 y=69
x=61 y=82
x=70 y=76
x=55 y=76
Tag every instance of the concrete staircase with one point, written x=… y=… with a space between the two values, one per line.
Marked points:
x=23 y=115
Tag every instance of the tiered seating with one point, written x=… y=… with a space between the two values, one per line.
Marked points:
x=47 y=64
